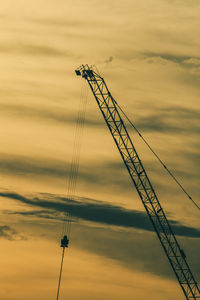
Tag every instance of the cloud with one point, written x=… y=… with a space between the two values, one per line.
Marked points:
x=33 y=49
x=60 y=22
x=104 y=234
x=89 y=173
x=45 y=214
x=171 y=119
x=137 y=250
x=166 y=56
x=10 y=234
x=93 y=211
x=20 y=165
x=187 y=63
x=46 y=115
x=192 y=61
x=109 y=60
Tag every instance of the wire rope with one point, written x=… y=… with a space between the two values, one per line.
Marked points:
x=60 y=275
x=72 y=183
x=73 y=172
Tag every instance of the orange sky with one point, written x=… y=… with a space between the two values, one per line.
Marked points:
x=148 y=53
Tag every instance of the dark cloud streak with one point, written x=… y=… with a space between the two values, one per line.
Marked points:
x=94 y=211
x=169 y=57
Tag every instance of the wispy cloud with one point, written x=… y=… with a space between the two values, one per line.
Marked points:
x=9 y=233
x=93 y=211
x=171 y=119
x=47 y=22
x=46 y=114
x=93 y=173
x=182 y=63
x=109 y=60
x=137 y=250
x=169 y=57
x=33 y=49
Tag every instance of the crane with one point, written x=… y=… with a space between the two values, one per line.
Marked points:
x=109 y=109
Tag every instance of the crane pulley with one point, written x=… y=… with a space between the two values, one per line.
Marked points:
x=114 y=121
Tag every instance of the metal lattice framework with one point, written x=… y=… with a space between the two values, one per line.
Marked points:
x=173 y=251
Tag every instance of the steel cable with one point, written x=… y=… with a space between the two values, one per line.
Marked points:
x=73 y=172
x=60 y=275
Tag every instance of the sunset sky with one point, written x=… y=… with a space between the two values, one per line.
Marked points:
x=149 y=55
